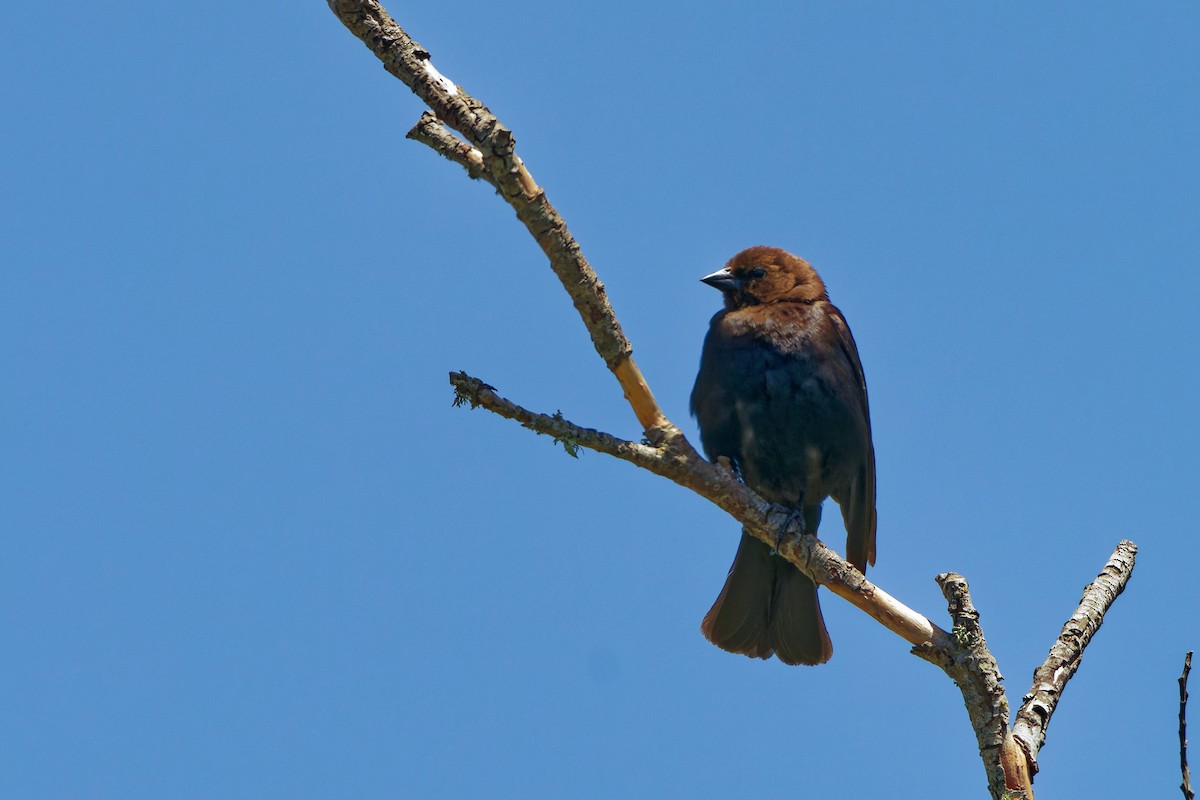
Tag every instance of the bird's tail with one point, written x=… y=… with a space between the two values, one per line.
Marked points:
x=768 y=607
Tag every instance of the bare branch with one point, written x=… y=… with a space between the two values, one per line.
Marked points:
x=477 y=393
x=1186 y=786
x=975 y=672
x=429 y=131
x=670 y=455
x=411 y=63
x=1051 y=677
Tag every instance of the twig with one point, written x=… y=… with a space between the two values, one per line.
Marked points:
x=1186 y=786
x=428 y=131
x=1051 y=677
x=476 y=393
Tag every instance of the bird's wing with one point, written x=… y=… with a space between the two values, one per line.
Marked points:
x=723 y=373
x=858 y=506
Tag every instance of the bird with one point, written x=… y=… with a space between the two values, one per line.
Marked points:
x=781 y=398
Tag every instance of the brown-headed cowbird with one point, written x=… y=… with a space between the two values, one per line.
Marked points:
x=781 y=395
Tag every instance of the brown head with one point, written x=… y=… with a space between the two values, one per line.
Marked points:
x=763 y=275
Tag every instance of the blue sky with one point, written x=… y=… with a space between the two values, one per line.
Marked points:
x=250 y=550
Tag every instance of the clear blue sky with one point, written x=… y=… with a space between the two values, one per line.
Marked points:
x=249 y=550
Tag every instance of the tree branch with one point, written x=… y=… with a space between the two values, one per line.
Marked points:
x=1186 y=786
x=477 y=394
x=1050 y=679
x=428 y=131
x=411 y=63
x=669 y=455
x=977 y=675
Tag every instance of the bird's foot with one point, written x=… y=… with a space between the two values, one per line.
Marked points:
x=794 y=514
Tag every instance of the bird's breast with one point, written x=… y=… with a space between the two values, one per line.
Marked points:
x=786 y=377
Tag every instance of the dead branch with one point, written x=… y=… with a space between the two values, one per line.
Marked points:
x=501 y=166
x=1186 y=786
x=977 y=675
x=669 y=455
x=1051 y=677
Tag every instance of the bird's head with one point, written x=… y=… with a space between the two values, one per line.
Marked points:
x=764 y=275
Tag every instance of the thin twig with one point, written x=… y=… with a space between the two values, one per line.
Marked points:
x=476 y=393
x=1186 y=786
x=428 y=131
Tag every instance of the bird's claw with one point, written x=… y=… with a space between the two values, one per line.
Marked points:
x=794 y=514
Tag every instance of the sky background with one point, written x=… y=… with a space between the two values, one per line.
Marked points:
x=250 y=550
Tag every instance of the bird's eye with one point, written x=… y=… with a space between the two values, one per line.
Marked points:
x=757 y=272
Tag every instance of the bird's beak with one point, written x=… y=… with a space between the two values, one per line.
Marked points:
x=722 y=279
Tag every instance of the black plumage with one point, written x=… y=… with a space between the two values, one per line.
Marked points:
x=781 y=394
